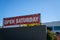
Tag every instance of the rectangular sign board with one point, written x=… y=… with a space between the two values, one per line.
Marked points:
x=29 y=19
x=24 y=33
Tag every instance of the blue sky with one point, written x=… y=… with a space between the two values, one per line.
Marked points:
x=49 y=9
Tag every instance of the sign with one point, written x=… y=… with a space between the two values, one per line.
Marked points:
x=24 y=33
x=28 y=19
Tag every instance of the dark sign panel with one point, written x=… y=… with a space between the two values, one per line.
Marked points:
x=24 y=33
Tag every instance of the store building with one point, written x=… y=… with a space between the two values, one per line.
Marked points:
x=55 y=26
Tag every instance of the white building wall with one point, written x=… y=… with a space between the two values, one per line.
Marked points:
x=52 y=24
x=56 y=23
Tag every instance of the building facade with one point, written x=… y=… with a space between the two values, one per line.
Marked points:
x=55 y=26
